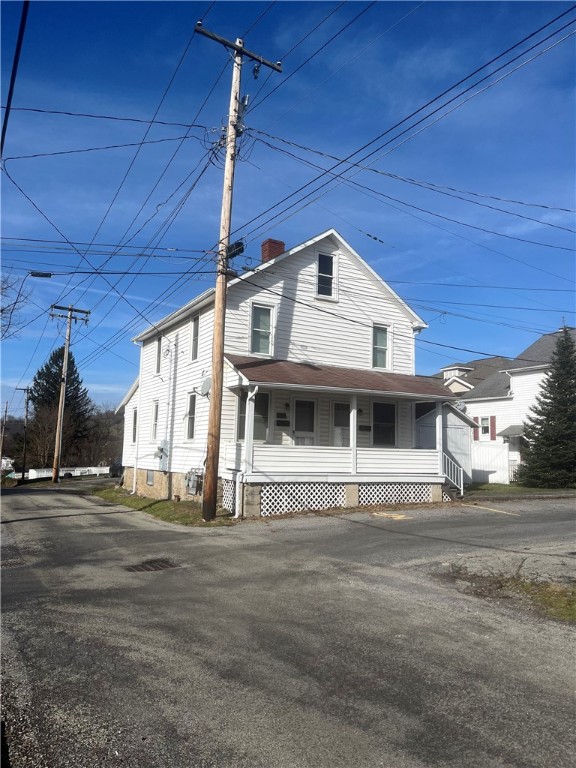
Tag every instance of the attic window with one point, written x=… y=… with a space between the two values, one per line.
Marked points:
x=326 y=287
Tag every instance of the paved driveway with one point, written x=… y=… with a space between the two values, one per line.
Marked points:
x=321 y=642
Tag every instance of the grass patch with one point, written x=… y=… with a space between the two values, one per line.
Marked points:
x=181 y=512
x=487 y=489
x=550 y=599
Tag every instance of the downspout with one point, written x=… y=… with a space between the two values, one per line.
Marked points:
x=138 y=421
x=248 y=443
x=439 y=438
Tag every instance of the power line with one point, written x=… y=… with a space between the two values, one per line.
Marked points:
x=425 y=210
x=431 y=186
x=312 y=56
x=14 y=73
x=380 y=136
x=98 y=117
x=107 y=147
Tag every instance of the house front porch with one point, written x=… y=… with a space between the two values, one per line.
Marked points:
x=293 y=478
x=312 y=437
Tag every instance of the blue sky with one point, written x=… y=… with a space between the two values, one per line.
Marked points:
x=465 y=267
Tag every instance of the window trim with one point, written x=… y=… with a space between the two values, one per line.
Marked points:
x=194 y=337
x=154 y=420
x=158 y=354
x=190 y=416
x=373 y=431
x=272 y=309
x=334 y=294
x=134 y=425
x=150 y=477
x=243 y=396
x=388 y=348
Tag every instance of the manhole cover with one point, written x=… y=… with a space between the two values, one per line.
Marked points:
x=159 y=564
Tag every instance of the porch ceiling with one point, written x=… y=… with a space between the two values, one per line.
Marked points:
x=284 y=374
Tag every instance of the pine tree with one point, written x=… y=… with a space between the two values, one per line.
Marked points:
x=549 y=460
x=45 y=396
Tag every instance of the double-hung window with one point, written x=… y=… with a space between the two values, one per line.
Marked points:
x=325 y=286
x=191 y=416
x=261 y=408
x=261 y=336
x=384 y=424
x=134 y=424
x=194 y=328
x=158 y=354
x=380 y=347
x=154 y=422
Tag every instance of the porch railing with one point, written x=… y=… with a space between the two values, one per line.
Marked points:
x=453 y=472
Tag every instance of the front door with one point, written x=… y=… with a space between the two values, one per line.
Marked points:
x=304 y=422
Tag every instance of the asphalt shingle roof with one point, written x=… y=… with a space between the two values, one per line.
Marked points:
x=539 y=353
x=279 y=372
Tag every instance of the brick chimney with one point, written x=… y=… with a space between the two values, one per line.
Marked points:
x=272 y=248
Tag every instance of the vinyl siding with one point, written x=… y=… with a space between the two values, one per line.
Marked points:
x=319 y=330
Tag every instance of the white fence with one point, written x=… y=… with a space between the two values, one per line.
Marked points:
x=38 y=474
x=490 y=462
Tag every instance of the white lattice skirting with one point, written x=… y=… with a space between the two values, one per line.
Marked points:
x=394 y=493
x=229 y=495
x=281 y=498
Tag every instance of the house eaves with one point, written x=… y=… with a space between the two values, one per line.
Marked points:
x=417 y=322
x=126 y=399
x=200 y=302
x=287 y=375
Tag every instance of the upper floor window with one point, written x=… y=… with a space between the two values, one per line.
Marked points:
x=380 y=347
x=485 y=425
x=154 y=422
x=134 y=424
x=261 y=338
x=158 y=354
x=384 y=424
x=194 y=328
x=325 y=286
x=191 y=416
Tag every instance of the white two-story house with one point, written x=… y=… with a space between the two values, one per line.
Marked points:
x=320 y=398
x=500 y=405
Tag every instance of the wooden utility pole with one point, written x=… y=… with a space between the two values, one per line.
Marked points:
x=60 y=419
x=27 y=390
x=215 y=413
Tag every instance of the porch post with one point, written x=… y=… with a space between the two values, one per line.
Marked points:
x=249 y=430
x=439 y=437
x=353 y=433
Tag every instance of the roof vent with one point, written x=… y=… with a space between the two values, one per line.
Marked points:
x=272 y=248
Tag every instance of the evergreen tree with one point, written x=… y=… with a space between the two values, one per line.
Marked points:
x=549 y=460
x=45 y=396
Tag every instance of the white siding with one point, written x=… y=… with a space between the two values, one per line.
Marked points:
x=178 y=377
x=128 y=447
x=320 y=330
x=309 y=329
x=513 y=409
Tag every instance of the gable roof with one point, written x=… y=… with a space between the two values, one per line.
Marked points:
x=284 y=374
x=207 y=298
x=339 y=241
x=476 y=371
x=537 y=355
x=126 y=399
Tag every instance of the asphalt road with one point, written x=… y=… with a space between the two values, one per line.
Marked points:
x=324 y=642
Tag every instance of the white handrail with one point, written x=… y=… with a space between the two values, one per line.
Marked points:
x=453 y=472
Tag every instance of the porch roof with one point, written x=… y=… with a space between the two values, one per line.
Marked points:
x=284 y=374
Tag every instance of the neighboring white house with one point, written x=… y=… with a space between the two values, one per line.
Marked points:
x=500 y=405
x=320 y=398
